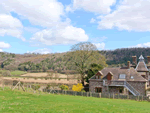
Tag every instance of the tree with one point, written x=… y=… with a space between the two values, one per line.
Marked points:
x=82 y=55
x=94 y=68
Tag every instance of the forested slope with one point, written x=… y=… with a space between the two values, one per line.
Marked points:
x=56 y=61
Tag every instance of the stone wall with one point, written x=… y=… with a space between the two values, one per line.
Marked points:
x=96 y=83
x=139 y=86
x=105 y=89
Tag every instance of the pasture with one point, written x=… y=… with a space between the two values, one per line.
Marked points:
x=24 y=102
x=46 y=78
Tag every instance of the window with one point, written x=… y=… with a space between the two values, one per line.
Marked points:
x=132 y=77
x=98 y=89
x=120 y=90
x=122 y=76
x=143 y=76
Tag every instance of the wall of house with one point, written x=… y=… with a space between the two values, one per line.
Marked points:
x=139 y=86
x=96 y=83
x=116 y=90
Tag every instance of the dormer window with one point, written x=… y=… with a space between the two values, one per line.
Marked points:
x=99 y=75
x=122 y=76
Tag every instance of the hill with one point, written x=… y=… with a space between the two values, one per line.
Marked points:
x=56 y=61
x=24 y=102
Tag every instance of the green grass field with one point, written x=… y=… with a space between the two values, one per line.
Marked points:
x=23 y=102
x=17 y=73
x=14 y=73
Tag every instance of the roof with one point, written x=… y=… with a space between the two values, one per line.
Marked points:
x=141 y=65
x=128 y=72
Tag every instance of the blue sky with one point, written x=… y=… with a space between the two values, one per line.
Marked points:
x=50 y=26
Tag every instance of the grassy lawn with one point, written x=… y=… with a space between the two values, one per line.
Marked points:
x=23 y=102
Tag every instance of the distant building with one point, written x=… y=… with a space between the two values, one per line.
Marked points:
x=132 y=79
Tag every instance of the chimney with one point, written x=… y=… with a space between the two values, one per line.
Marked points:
x=134 y=60
x=148 y=59
x=128 y=64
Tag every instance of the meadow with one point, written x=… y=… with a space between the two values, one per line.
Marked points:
x=24 y=102
x=14 y=73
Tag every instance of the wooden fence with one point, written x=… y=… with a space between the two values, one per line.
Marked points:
x=98 y=95
x=51 y=90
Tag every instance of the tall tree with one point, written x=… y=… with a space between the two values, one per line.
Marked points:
x=94 y=68
x=82 y=55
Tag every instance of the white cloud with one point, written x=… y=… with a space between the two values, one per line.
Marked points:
x=41 y=51
x=4 y=45
x=10 y=26
x=96 y=6
x=100 y=45
x=92 y=20
x=39 y=12
x=31 y=29
x=142 y=45
x=60 y=35
x=130 y=15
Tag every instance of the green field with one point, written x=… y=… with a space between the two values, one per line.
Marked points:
x=23 y=102
x=17 y=73
x=14 y=73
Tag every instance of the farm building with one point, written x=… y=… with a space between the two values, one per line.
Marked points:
x=133 y=79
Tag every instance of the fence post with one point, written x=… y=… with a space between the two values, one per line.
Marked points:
x=19 y=85
x=138 y=97
x=113 y=95
x=100 y=95
x=3 y=85
x=142 y=97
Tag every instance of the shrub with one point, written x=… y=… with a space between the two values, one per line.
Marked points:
x=6 y=73
x=78 y=87
x=48 y=86
x=35 y=87
x=64 y=87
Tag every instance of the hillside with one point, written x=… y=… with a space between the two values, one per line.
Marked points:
x=121 y=56
x=56 y=61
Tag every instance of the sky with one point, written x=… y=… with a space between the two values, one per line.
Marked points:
x=53 y=26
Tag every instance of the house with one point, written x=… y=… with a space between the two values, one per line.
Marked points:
x=132 y=79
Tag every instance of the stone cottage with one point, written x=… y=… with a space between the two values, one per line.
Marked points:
x=132 y=79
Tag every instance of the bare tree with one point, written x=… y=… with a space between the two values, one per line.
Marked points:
x=82 y=55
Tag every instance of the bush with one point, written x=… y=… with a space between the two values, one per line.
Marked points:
x=6 y=73
x=35 y=87
x=78 y=87
x=64 y=87
x=48 y=86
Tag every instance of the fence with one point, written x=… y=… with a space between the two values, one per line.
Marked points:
x=98 y=95
x=27 y=86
